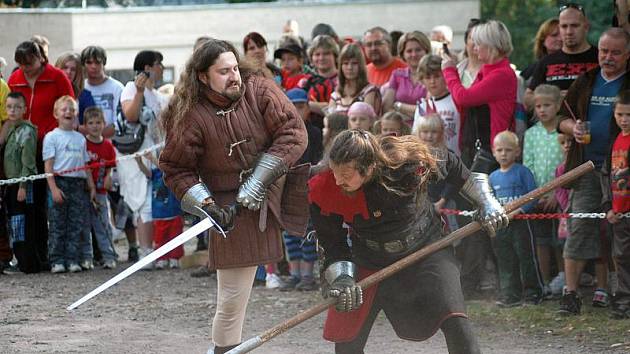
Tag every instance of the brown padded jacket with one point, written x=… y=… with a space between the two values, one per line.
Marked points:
x=216 y=145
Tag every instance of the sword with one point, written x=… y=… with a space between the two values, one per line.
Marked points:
x=195 y=230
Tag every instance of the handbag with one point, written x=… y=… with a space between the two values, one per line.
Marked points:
x=482 y=160
x=130 y=135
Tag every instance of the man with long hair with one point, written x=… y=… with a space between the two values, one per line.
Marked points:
x=378 y=188
x=231 y=136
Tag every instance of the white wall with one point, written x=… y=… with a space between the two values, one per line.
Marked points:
x=172 y=30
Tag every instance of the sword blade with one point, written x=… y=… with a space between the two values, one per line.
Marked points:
x=195 y=230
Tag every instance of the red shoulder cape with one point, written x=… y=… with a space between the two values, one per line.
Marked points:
x=324 y=191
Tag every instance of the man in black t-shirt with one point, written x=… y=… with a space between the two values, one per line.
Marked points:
x=576 y=57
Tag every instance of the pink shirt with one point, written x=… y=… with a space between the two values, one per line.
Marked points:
x=495 y=86
x=406 y=90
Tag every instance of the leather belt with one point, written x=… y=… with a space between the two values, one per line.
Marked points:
x=395 y=246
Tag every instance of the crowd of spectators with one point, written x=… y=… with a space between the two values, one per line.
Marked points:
x=572 y=105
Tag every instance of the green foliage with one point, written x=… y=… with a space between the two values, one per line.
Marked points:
x=524 y=17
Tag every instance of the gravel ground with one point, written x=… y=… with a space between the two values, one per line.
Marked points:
x=169 y=312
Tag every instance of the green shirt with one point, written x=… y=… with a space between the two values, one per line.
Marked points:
x=542 y=153
x=19 y=150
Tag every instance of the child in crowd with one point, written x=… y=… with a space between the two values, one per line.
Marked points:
x=19 y=161
x=101 y=151
x=438 y=100
x=361 y=116
x=301 y=249
x=334 y=123
x=65 y=149
x=392 y=123
x=166 y=212
x=292 y=60
x=541 y=155
x=430 y=129
x=617 y=194
x=562 y=198
x=514 y=246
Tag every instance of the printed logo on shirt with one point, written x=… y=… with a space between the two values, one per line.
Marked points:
x=567 y=71
x=603 y=101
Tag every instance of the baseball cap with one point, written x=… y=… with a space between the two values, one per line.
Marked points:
x=297 y=95
x=288 y=48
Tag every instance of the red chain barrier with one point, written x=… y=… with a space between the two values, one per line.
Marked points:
x=519 y=216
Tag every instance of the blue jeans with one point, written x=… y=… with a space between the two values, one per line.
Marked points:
x=99 y=223
x=67 y=221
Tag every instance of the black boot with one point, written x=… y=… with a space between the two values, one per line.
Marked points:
x=223 y=350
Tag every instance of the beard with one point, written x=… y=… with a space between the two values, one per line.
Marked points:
x=233 y=92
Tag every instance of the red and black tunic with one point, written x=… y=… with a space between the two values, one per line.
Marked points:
x=387 y=227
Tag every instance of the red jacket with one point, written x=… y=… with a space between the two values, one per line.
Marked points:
x=495 y=86
x=50 y=85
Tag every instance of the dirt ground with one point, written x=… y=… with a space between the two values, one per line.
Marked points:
x=170 y=312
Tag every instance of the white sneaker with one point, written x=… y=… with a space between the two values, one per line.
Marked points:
x=87 y=265
x=161 y=264
x=173 y=263
x=143 y=252
x=272 y=281
x=74 y=268
x=109 y=264
x=58 y=268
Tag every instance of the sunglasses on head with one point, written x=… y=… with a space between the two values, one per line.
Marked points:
x=572 y=5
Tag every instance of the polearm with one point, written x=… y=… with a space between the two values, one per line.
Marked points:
x=205 y=224
x=471 y=228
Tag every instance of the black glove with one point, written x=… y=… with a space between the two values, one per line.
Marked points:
x=223 y=216
x=349 y=295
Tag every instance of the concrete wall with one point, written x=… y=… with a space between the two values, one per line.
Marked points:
x=172 y=30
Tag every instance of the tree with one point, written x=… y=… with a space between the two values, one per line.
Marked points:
x=524 y=17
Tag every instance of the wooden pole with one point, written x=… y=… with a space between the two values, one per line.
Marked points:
x=511 y=208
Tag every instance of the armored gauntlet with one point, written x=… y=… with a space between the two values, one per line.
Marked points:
x=198 y=201
x=490 y=213
x=252 y=193
x=341 y=285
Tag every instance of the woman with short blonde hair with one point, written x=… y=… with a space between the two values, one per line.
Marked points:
x=490 y=101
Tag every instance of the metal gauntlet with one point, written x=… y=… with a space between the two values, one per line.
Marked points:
x=268 y=169
x=194 y=200
x=341 y=285
x=198 y=201
x=490 y=213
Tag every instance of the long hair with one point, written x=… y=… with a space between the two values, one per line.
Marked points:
x=77 y=83
x=352 y=51
x=395 y=159
x=189 y=88
x=545 y=29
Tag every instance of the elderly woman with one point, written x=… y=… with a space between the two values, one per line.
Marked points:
x=320 y=84
x=405 y=89
x=255 y=48
x=489 y=103
x=70 y=64
x=353 y=82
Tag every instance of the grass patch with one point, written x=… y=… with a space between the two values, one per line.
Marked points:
x=594 y=325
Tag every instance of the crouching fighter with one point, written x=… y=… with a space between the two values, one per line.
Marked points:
x=232 y=136
x=378 y=188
